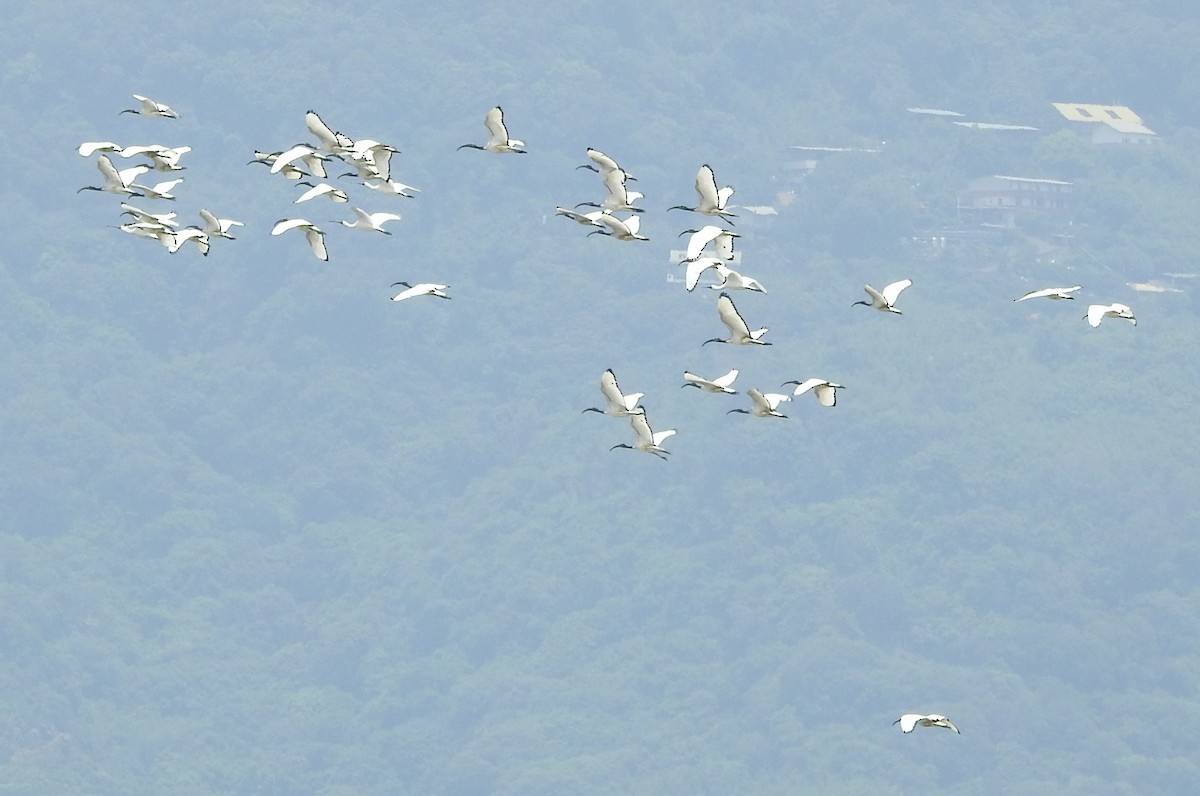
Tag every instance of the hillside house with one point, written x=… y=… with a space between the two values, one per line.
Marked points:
x=1109 y=124
x=996 y=198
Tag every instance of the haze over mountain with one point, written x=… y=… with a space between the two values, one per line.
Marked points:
x=266 y=531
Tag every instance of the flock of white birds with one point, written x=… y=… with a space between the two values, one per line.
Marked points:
x=710 y=247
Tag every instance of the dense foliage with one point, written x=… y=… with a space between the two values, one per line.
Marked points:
x=266 y=532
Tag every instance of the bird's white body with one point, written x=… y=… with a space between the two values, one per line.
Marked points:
x=885 y=300
x=391 y=187
x=498 y=140
x=150 y=230
x=314 y=236
x=722 y=240
x=712 y=200
x=89 y=148
x=370 y=222
x=421 y=289
x=739 y=332
x=288 y=171
x=909 y=721
x=826 y=391
x=1055 y=293
x=586 y=219
x=719 y=384
x=328 y=140
x=1098 y=312
x=162 y=158
x=763 y=404
x=130 y=174
x=364 y=169
x=603 y=164
x=648 y=441
x=160 y=190
x=311 y=158
x=732 y=280
x=695 y=268
x=621 y=229
x=142 y=216
x=118 y=182
x=151 y=108
x=194 y=234
x=371 y=159
x=322 y=189
x=218 y=227
x=616 y=197
x=616 y=403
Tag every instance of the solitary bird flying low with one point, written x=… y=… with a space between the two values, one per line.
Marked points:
x=1098 y=312
x=498 y=140
x=151 y=108
x=884 y=300
x=911 y=720
x=422 y=289
x=1056 y=293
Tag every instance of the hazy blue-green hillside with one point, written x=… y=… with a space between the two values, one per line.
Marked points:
x=267 y=532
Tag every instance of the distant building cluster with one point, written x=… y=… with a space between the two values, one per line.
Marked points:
x=988 y=205
x=1003 y=194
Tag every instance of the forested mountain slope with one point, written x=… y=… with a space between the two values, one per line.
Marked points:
x=265 y=531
